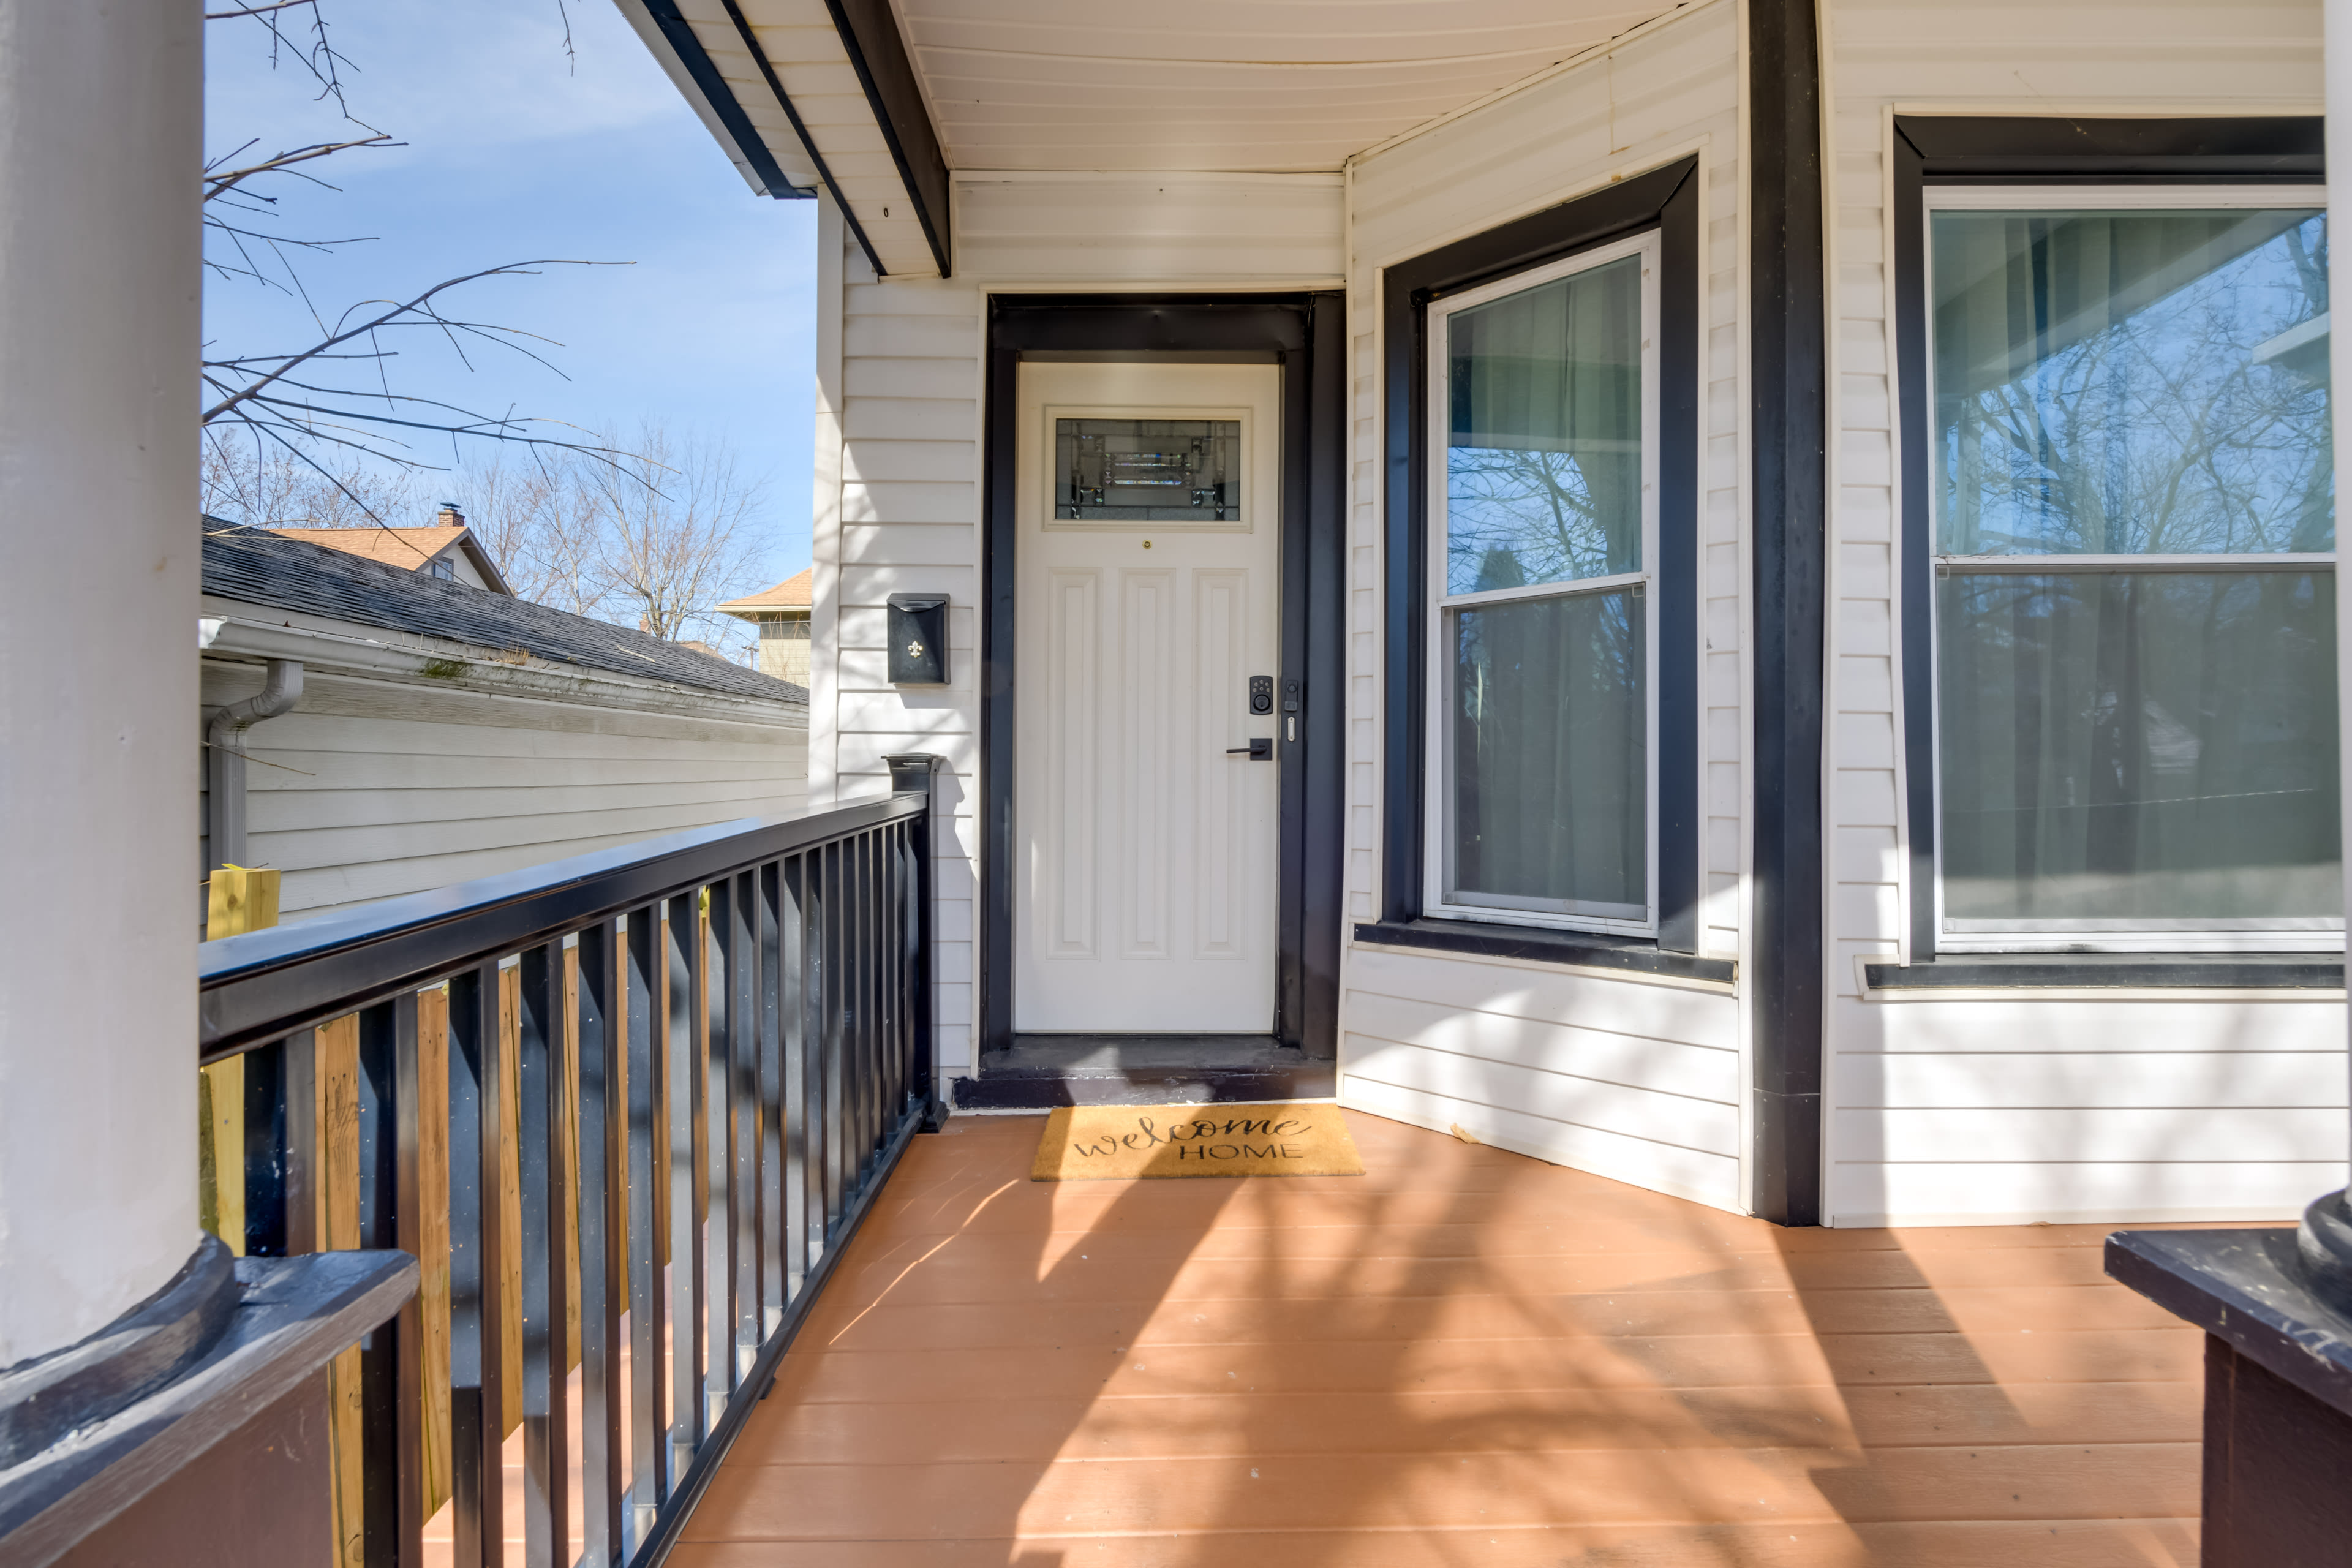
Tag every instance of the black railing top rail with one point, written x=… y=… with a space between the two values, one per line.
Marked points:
x=264 y=984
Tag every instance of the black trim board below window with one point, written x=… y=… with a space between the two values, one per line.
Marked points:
x=1544 y=944
x=1666 y=200
x=1972 y=150
x=2111 y=971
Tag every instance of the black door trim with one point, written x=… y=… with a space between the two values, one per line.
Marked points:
x=1307 y=334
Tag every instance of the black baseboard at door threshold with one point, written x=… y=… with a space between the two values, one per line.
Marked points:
x=1039 y=1072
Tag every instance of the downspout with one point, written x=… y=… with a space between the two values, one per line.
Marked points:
x=225 y=757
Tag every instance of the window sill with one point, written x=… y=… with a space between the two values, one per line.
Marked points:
x=1571 y=949
x=2111 y=971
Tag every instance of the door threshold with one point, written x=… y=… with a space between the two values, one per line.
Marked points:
x=1038 y=1072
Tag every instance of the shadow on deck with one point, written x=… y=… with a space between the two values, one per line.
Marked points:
x=1462 y=1357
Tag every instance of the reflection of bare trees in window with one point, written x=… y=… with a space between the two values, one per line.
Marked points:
x=2194 y=424
x=1554 y=516
x=1551 y=754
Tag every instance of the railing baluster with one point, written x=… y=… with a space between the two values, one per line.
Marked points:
x=772 y=1225
x=540 y=1085
x=604 y=1238
x=685 y=1091
x=861 y=1007
x=477 y=1421
x=391 y=1448
x=922 y=951
x=648 y=1483
x=281 y=1147
x=896 y=931
x=743 y=1120
x=736 y=1092
x=799 y=1104
x=836 y=1091
x=717 y=1158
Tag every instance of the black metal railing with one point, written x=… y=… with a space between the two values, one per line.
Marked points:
x=626 y=1108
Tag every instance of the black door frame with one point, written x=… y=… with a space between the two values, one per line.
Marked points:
x=1305 y=335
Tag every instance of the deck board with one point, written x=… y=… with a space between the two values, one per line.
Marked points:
x=1464 y=1356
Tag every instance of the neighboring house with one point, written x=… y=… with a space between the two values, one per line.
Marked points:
x=781 y=614
x=442 y=733
x=1618 y=834
x=448 y=550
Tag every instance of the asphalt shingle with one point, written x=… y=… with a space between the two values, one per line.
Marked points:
x=253 y=566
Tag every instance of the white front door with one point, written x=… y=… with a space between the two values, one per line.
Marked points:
x=1149 y=557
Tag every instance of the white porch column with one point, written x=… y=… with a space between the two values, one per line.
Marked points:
x=101 y=123
x=2339 y=24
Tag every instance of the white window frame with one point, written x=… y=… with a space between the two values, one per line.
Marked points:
x=1438 y=729
x=2284 y=934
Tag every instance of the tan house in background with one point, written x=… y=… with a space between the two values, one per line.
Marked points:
x=447 y=550
x=781 y=614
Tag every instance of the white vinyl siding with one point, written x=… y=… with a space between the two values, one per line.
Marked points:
x=1529 y=1064
x=2010 y=1125
x=1635 y=1081
x=1114 y=231
x=370 y=789
x=898 y=510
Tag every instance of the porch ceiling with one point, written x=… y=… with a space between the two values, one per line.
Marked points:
x=1228 y=86
x=1268 y=86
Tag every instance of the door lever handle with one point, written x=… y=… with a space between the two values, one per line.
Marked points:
x=1258 y=751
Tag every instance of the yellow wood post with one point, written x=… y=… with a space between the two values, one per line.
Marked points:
x=336 y=1102
x=237 y=899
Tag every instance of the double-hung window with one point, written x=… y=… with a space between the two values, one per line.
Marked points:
x=2133 y=543
x=1542 y=640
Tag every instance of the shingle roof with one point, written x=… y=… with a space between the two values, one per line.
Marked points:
x=791 y=594
x=257 y=566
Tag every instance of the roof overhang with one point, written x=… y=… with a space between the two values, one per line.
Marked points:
x=888 y=108
x=809 y=94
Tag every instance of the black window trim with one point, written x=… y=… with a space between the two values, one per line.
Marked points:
x=2235 y=149
x=1666 y=200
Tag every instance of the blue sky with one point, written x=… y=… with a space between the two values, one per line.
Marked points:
x=516 y=151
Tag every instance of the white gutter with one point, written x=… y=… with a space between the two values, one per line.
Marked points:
x=454 y=666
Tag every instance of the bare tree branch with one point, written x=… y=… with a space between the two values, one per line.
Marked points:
x=253 y=10
x=221 y=185
x=413 y=307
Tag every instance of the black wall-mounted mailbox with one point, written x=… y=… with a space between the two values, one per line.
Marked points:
x=918 y=639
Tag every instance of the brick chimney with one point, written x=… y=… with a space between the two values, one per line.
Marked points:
x=449 y=516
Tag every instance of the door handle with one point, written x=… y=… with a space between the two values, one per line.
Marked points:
x=1257 y=750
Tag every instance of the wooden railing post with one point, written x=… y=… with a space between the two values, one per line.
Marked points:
x=914 y=773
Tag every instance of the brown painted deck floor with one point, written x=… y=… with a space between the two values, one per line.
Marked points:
x=1462 y=1357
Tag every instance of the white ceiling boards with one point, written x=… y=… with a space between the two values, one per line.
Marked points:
x=880 y=99
x=1241 y=85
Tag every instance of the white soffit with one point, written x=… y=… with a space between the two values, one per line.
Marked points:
x=1272 y=86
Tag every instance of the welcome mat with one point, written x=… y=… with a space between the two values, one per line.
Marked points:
x=1106 y=1142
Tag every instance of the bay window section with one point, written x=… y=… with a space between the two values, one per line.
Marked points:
x=1542 y=646
x=2135 y=575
